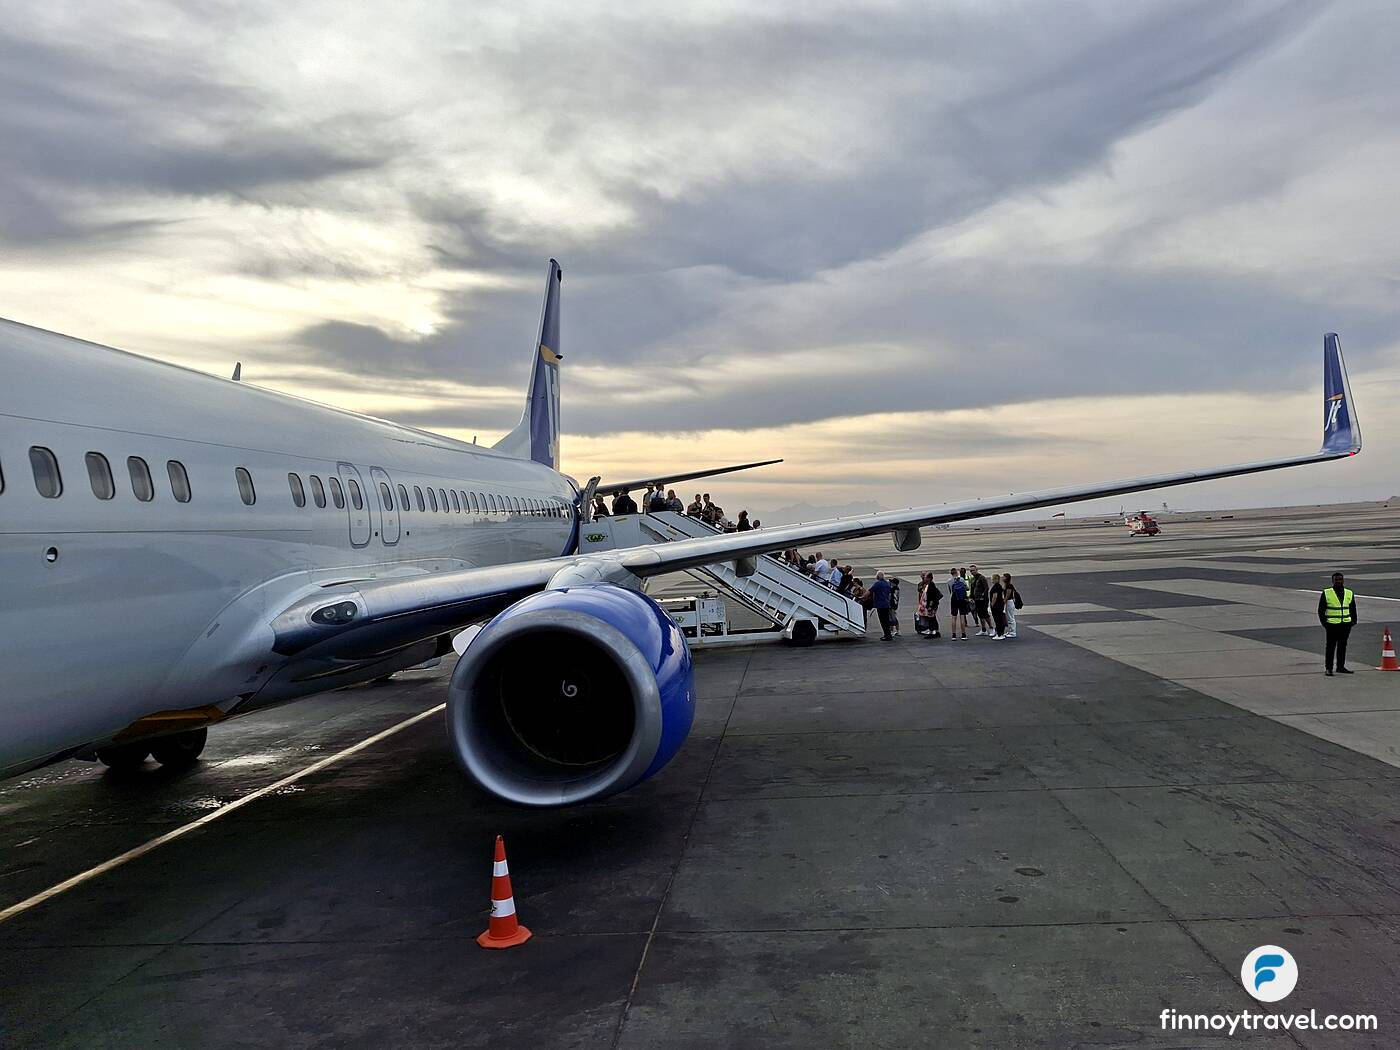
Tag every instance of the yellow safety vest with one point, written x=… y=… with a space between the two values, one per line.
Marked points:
x=1338 y=610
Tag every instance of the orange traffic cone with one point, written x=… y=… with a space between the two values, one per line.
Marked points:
x=504 y=930
x=1388 y=661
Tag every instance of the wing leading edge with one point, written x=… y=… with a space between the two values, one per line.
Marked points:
x=389 y=612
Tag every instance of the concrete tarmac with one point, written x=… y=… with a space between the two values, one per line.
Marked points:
x=1042 y=842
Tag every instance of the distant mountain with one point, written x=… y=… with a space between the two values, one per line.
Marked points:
x=799 y=512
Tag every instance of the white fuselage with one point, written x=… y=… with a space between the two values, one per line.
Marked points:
x=117 y=608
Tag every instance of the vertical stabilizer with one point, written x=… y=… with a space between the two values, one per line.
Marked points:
x=536 y=436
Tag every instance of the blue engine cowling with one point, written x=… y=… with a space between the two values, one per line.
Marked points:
x=570 y=695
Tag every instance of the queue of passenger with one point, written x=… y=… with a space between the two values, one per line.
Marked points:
x=658 y=499
x=991 y=604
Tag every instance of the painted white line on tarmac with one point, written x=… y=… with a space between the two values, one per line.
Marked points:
x=160 y=840
x=1368 y=597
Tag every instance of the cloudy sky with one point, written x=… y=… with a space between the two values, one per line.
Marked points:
x=924 y=251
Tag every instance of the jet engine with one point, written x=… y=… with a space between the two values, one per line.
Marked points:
x=571 y=695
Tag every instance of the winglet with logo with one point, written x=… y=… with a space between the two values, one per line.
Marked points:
x=1341 y=433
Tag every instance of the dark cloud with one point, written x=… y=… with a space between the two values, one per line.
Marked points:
x=972 y=109
x=78 y=122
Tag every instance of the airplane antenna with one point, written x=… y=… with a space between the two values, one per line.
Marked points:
x=237 y=371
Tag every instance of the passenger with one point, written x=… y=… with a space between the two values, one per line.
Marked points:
x=894 y=606
x=673 y=502
x=600 y=508
x=1013 y=602
x=623 y=503
x=822 y=569
x=996 y=603
x=810 y=565
x=757 y=524
x=696 y=508
x=957 y=602
x=743 y=523
x=880 y=600
x=848 y=580
x=861 y=597
x=926 y=622
x=657 y=503
x=979 y=589
x=836 y=577
x=1336 y=609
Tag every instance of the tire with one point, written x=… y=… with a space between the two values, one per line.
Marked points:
x=804 y=633
x=179 y=749
x=123 y=757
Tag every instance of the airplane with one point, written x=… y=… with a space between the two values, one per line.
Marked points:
x=179 y=548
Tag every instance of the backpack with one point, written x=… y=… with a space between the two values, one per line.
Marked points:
x=960 y=589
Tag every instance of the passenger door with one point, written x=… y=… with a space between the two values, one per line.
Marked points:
x=356 y=504
x=388 y=505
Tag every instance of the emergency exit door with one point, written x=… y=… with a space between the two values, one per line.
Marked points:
x=357 y=506
x=388 y=505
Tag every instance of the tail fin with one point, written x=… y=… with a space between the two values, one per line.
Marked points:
x=1341 y=433
x=536 y=436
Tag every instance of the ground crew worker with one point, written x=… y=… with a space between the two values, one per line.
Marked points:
x=1336 y=608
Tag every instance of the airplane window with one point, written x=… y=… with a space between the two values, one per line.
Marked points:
x=385 y=496
x=179 y=481
x=456 y=506
x=100 y=475
x=516 y=505
x=47 y=479
x=418 y=498
x=476 y=507
x=337 y=493
x=245 y=486
x=432 y=499
x=490 y=503
x=442 y=494
x=356 y=496
x=141 y=482
x=465 y=508
x=298 y=493
x=318 y=491
x=403 y=498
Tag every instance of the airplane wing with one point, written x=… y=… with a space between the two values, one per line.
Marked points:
x=612 y=488
x=376 y=615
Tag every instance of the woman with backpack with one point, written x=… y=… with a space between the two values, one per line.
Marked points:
x=1013 y=602
x=957 y=596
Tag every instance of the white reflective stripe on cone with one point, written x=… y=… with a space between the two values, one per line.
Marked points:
x=500 y=868
x=500 y=909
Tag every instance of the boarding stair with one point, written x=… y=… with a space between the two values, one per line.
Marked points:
x=773 y=590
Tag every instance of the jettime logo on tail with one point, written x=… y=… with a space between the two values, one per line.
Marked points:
x=1334 y=408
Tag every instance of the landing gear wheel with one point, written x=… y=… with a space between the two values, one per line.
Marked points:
x=179 y=749
x=123 y=757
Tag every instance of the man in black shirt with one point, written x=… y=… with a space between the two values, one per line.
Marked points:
x=624 y=504
x=1336 y=609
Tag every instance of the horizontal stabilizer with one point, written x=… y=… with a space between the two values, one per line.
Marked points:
x=612 y=488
